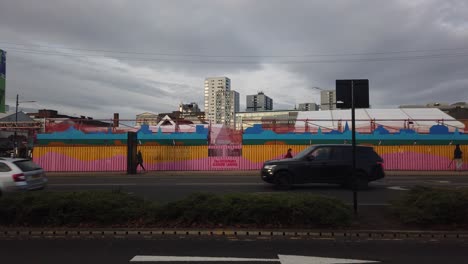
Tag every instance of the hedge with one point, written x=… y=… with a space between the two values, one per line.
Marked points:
x=104 y=208
x=432 y=206
x=275 y=210
x=71 y=208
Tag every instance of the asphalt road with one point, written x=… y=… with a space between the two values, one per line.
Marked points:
x=169 y=187
x=297 y=250
x=55 y=251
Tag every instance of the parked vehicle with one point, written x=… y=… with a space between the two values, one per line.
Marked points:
x=18 y=174
x=325 y=164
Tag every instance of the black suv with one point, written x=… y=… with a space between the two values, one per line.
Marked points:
x=325 y=164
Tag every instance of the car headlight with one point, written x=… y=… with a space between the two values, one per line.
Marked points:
x=269 y=167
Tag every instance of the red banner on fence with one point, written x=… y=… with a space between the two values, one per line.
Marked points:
x=225 y=163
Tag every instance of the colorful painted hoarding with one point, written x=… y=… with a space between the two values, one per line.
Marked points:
x=2 y=80
x=74 y=150
x=198 y=158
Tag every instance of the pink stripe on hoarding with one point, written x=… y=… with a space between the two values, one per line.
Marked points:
x=393 y=161
x=415 y=161
x=58 y=162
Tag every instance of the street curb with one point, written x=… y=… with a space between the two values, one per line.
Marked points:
x=248 y=173
x=286 y=234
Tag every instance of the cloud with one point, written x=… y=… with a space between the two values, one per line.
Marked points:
x=138 y=56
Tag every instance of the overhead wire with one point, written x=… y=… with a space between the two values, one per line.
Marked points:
x=168 y=60
x=27 y=47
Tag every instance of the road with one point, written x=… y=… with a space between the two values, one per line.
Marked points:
x=233 y=249
x=112 y=250
x=166 y=186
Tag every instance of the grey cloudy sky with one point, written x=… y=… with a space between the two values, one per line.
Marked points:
x=147 y=55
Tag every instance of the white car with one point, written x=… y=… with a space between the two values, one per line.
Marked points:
x=18 y=174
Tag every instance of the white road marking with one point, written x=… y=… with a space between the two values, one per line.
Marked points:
x=159 y=184
x=92 y=184
x=187 y=259
x=283 y=259
x=397 y=188
x=218 y=183
x=371 y=204
x=444 y=182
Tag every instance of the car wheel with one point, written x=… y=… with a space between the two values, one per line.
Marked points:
x=282 y=180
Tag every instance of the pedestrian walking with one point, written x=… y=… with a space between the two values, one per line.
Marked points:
x=23 y=150
x=458 y=157
x=140 y=160
x=288 y=155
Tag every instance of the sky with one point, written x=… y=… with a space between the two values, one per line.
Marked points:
x=96 y=58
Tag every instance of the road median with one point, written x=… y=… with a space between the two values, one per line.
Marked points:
x=421 y=208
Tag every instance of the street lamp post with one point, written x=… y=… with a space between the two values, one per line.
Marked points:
x=16 y=123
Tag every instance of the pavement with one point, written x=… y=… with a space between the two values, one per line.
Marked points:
x=182 y=249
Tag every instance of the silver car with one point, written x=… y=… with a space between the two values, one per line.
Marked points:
x=18 y=174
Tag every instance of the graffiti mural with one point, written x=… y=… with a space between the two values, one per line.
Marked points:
x=74 y=150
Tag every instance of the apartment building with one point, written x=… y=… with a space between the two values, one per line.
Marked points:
x=221 y=103
x=259 y=102
x=308 y=107
x=328 y=100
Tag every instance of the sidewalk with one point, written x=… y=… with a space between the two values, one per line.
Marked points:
x=249 y=173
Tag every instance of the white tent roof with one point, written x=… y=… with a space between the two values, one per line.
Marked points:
x=423 y=118
x=387 y=118
x=432 y=115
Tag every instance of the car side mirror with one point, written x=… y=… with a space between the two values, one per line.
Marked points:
x=310 y=158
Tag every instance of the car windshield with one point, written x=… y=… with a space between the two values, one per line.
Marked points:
x=304 y=153
x=27 y=165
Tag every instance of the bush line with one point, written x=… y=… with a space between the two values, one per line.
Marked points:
x=106 y=208
x=424 y=206
x=421 y=206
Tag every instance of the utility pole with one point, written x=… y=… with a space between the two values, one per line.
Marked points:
x=353 y=123
x=351 y=94
x=16 y=124
x=15 y=143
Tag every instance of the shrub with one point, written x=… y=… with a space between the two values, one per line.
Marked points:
x=432 y=206
x=97 y=208
x=279 y=210
x=71 y=208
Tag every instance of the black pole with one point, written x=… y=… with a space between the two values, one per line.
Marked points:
x=15 y=143
x=353 y=123
x=131 y=152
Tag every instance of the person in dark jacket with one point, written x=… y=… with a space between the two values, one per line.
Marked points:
x=458 y=157
x=23 y=151
x=288 y=155
x=140 y=160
